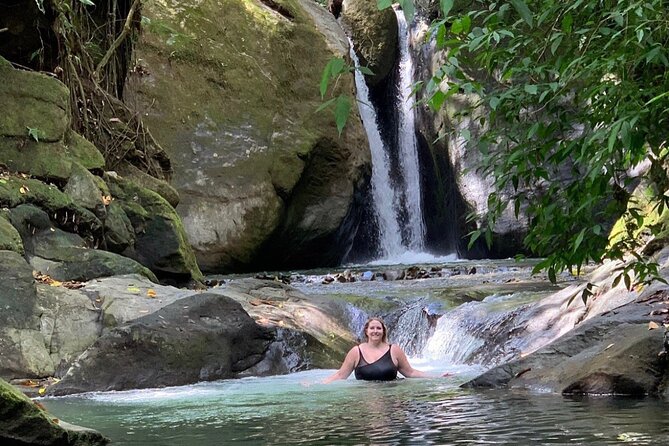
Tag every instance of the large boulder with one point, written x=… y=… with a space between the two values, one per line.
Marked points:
x=35 y=134
x=22 y=348
x=160 y=241
x=374 y=33
x=308 y=330
x=200 y=338
x=22 y=422
x=263 y=179
x=619 y=352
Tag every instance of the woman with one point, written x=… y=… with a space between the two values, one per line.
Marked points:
x=376 y=360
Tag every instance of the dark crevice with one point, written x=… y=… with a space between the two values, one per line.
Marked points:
x=278 y=8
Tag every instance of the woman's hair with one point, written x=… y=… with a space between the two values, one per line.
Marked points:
x=378 y=319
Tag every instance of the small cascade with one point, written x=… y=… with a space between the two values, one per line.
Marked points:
x=479 y=332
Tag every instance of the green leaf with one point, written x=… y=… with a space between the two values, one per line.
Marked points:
x=567 y=22
x=446 y=6
x=523 y=10
x=87 y=2
x=408 y=9
x=494 y=102
x=473 y=236
x=342 y=110
x=34 y=133
x=579 y=240
x=383 y=4
x=326 y=104
x=531 y=89
x=365 y=70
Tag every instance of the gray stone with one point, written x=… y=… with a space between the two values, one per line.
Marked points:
x=200 y=338
x=374 y=33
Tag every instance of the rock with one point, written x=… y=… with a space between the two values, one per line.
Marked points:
x=374 y=33
x=82 y=187
x=161 y=187
x=83 y=264
x=367 y=276
x=10 y=239
x=203 y=337
x=613 y=353
x=22 y=422
x=263 y=180
x=70 y=322
x=22 y=348
x=160 y=240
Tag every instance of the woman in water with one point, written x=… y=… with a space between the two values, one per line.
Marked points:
x=376 y=360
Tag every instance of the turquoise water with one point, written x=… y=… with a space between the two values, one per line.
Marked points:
x=296 y=409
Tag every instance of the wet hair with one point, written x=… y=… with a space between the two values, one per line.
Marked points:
x=383 y=324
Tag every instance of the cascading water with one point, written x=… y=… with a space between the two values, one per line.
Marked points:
x=396 y=176
x=383 y=194
x=408 y=146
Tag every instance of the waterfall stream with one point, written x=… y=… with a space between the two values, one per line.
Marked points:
x=396 y=172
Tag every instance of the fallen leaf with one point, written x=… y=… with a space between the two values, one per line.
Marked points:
x=653 y=325
x=134 y=290
x=24 y=189
x=42 y=390
x=56 y=283
x=151 y=293
x=609 y=346
x=106 y=199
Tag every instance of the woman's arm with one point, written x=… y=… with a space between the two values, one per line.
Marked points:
x=403 y=364
x=346 y=368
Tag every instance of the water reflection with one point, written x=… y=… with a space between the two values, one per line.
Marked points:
x=281 y=410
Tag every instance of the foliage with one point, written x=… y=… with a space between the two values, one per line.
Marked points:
x=577 y=93
x=340 y=104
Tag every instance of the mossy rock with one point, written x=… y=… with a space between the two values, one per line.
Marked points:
x=374 y=33
x=160 y=243
x=67 y=263
x=22 y=422
x=52 y=160
x=83 y=188
x=157 y=185
x=654 y=231
x=10 y=239
x=237 y=116
x=33 y=102
x=16 y=190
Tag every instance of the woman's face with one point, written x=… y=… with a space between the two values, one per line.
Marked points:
x=374 y=331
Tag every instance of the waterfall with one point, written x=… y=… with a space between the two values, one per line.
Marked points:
x=383 y=194
x=408 y=146
x=397 y=196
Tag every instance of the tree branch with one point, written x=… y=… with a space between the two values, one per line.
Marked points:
x=114 y=46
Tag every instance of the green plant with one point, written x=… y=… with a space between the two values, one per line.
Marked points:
x=577 y=87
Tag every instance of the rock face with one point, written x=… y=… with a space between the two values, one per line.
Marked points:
x=615 y=353
x=374 y=33
x=23 y=423
x=264 y=181
x=61 y=207
x=200 y=338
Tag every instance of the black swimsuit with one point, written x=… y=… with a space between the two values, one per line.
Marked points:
x=383 y=369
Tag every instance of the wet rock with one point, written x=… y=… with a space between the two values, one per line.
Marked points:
x=23 y=422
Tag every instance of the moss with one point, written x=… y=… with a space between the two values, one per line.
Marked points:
x=51 y=160
x=16 y=190
x=161 y=242
x=10 y=239
x=33 y=100
x=25 y=423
